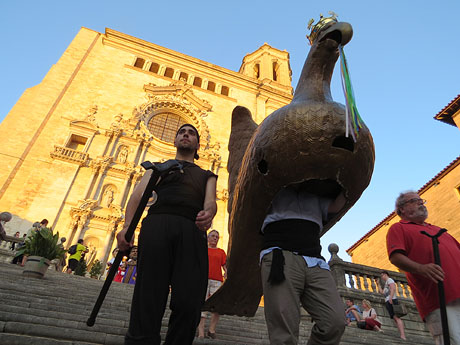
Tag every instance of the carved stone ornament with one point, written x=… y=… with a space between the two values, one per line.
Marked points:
x=116 y=212
x=87 y=204
x=105 y=160
x=179 y=97
x=91 y=116
x=222 y=194
x=302 y=142
x=212 y=153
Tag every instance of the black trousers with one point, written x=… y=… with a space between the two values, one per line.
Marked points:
x=172 y=253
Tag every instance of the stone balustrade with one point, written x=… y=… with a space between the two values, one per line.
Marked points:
x=68 y=154
x=363 y=278
x=359 y=282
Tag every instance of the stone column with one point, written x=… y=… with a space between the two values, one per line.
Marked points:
x=144 y=151
x=94 y=169
x=109 y=237
x=81 y=224
x=114 y=142
x=123 y=189
x=70 y=236
x=176 y=75
x=109 y=134
x=138 y=150
x=134 y=180
x=98 y=181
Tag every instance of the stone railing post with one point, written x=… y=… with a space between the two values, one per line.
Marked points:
x=335 y=264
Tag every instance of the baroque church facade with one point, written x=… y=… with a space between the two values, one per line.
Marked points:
x=72 y=144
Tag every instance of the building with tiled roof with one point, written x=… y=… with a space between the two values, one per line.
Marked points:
x=442 y=193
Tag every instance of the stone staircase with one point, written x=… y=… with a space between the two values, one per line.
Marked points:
x=54 y=310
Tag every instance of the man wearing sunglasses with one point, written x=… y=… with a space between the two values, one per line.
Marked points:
x=412 y=251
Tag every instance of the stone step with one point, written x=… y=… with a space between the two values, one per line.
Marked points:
x=59 y=334
x=21 y=339
x=54 y=310
x=22 y=324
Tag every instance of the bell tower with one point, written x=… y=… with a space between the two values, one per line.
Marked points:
x=268 y=64
x=268 y=68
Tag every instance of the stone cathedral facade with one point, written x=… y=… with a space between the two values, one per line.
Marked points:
x=71 y=146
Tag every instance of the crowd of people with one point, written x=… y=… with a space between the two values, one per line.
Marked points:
x=72 y=257
x=59 y=263
x=127 y=270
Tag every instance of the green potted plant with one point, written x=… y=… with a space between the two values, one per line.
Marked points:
x=40 y=248
x=81 y=268
x=96 y=269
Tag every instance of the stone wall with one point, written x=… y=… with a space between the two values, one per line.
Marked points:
x=443 y=202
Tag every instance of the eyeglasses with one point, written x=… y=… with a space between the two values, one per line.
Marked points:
x=415 y=201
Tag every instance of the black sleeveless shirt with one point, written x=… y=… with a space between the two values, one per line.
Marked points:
x=182 y=192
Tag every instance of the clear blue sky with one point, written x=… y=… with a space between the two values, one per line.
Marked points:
x=403 y=61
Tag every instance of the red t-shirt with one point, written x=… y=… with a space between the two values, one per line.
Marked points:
x=406 y=237
x=217 y=259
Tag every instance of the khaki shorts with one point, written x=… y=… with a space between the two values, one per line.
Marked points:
x=213 y=286
x=434 y=325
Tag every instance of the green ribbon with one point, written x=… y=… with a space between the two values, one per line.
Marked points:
x=353 y=122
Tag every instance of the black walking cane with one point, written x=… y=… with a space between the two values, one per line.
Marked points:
x=442 y=298
x=158 y=170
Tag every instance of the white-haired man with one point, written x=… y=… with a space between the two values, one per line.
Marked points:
x=412 y=251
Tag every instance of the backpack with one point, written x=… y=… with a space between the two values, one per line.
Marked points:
x=73 y=249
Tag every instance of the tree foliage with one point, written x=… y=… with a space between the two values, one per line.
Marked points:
x=96 y=269
x=81 y=268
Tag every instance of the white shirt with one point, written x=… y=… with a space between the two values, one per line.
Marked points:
x=386 y=290
x=369 y=313
x=292 y=203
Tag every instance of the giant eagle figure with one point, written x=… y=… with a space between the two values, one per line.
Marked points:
x=302 y=142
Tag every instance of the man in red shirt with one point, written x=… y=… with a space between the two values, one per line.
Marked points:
x=217 y=261
x=412 y=251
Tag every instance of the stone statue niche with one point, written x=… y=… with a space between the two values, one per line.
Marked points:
x=302 y=142
x=122 y=155
x=108 y=196
x=92 y=243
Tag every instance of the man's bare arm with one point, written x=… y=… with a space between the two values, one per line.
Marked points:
x=431 y=271
x=336 y=205
x=224 y=267
x=392 y=287
x=205 y=216
x=131 y=208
